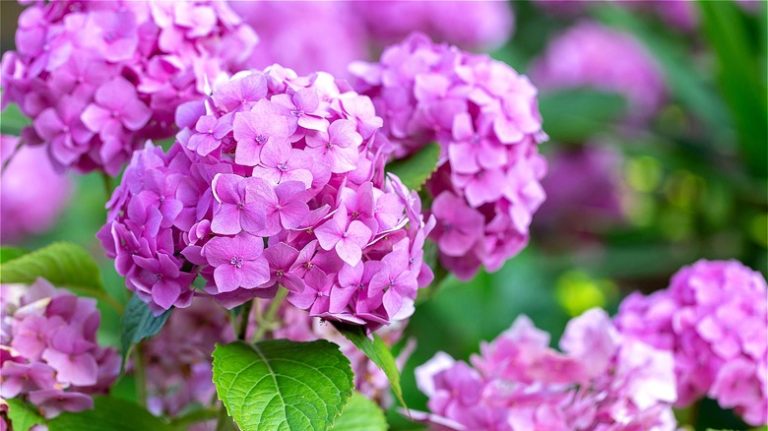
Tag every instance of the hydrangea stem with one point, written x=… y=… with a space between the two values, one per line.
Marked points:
x=267 y=321
x=107 y=185
x=11 y=156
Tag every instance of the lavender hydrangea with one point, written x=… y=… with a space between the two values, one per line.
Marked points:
x=601 y=381
x=98 y=78
x=32 y=194
x=589 y=54
x=584 y=189
x=485 y=117
x=273 y=182
x=317 y=36
x=714 y=319
x=48 y=349
x=482 y=25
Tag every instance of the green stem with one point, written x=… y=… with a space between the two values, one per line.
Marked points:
x=139 y=375
x=224 y=423
x=11 y=156
x=195 y=416
x=264 y=324
x=108 y=186
x=243 y=327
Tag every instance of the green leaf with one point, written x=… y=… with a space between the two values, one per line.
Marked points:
x=361 y=414
x=139 y=323
x=740 y=80
x=13 y=121
x=22 y=415
x=378 y=352
x=63 y=264
x=576 y=114
x=109 y=414
x=280 y=384
x=415 y=170
x=10 y=253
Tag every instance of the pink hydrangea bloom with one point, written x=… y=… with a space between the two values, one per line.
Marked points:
x=178 y=359
x=485 y=117
x=601 y=381
x=32 y=194
x=48 y=349
x=714 y=319
x=273 y=181
x=477 y=25
x=99 y=78
x=315 y=36
x=589 y=54
x=584 y=189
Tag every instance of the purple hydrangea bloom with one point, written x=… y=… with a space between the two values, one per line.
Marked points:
x=50 y=355
x=32 y=194
x=589 y=54
x=601 y=381
x=584 y=189
x=316 y=36
x=714 y=319
x=99 y=78
x=476 y=25
x=485 y=117
x=292 y=192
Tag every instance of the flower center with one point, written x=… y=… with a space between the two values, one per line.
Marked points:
x=237 y=262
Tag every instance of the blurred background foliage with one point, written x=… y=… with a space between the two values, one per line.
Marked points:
x=694 y=186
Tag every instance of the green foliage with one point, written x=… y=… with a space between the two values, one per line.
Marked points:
x=361 y=414
x=22 y=415
x=739 y=79
x=415 y=170
x=280 y=384
x=109 y=414
x=139 y=323
x=574 y=115
x=10 y=253
x=378 y=352
x=63 y=264
x=12 y=121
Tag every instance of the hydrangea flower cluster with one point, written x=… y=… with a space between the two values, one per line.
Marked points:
x=98 y=78
x=178 y=359
x=48 y=349
x=714 y=319
x=294 y=35
x=32 y=194
x=483 y=25
x=485 y=117
x=589 y=54
x=584 y=190
x=272 y=181
x=602 y=381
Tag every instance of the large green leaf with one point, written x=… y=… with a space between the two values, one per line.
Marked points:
x=282 y=385
x=378 y=352
x=361 y=414
x=10 y=253
x=415 y=170
x=63 y=264
x=22 y=415
x=111 y=414
x=740 y=79
x=576 y=114
x=139 y=323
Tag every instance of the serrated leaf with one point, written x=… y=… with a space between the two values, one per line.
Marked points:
x=361 y=414
x=22 y=415
x=10 y=253
x=378 y=352
x=415 y=170
x=280 y=384
x=139 y=323
x=63 y=264
x=576 y=114
x=112 y=414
